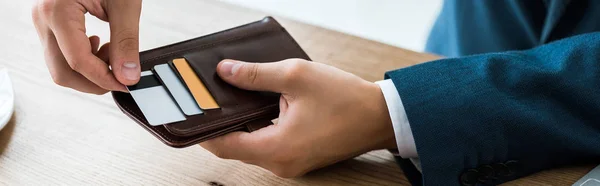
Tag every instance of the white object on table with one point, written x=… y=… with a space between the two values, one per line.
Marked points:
x=7 y=98
x=590 y=179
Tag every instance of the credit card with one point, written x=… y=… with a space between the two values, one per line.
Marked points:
x=154 y=101
x=177 y=89
x=200 y=93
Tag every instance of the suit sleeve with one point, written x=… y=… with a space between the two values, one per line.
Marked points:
x=491 y=118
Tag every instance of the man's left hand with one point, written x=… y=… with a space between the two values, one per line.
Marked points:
x=326 y=115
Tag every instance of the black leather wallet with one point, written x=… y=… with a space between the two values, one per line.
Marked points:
x=241 y=110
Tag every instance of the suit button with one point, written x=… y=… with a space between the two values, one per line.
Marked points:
x=501 y=170
x=469 y=178
x=513 y=166
x=486 y=172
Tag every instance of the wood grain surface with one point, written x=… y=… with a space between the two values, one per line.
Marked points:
x=58 y=136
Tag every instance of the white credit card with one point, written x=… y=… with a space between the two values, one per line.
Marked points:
x=154 y=101
x=182 y=96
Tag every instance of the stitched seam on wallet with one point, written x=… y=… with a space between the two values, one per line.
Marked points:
x=161 y=133
x=228 y=118
x=212 y=123
x=268 y=31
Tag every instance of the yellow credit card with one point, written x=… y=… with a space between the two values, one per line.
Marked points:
x=201 y=94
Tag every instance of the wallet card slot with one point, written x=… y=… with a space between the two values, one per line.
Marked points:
x=237 y=103
x=226 y=95
x=255 y=50
x=261 y=41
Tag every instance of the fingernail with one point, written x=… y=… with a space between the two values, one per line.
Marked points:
x=130 y=71
x=229 y=68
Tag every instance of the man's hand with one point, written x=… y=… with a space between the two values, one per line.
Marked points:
x=327 y=115
x=74 y=59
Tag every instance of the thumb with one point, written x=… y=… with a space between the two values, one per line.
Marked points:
x=124 y=17
x=255 y=76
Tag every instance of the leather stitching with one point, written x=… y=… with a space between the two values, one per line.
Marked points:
x=214 y=122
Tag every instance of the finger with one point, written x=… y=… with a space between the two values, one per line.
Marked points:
x=274 y=77
x=237 y=145
x=124 y=18
x=95 y=43
x=60 y=71
x=103 y=53
x=283 y=107
x=68 y=27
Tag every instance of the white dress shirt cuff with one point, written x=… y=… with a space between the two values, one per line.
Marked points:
x=404 y=137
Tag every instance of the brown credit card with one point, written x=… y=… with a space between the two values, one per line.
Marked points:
x=201 y=94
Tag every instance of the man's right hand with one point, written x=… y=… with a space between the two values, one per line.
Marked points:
x=76 y=60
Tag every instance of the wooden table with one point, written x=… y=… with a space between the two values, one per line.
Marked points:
x=59 y=136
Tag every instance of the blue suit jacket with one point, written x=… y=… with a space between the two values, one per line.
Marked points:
x=520 y=95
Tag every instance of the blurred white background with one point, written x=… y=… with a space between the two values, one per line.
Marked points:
x=402 y=23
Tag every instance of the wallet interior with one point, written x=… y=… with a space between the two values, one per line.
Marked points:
x=261 y=41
